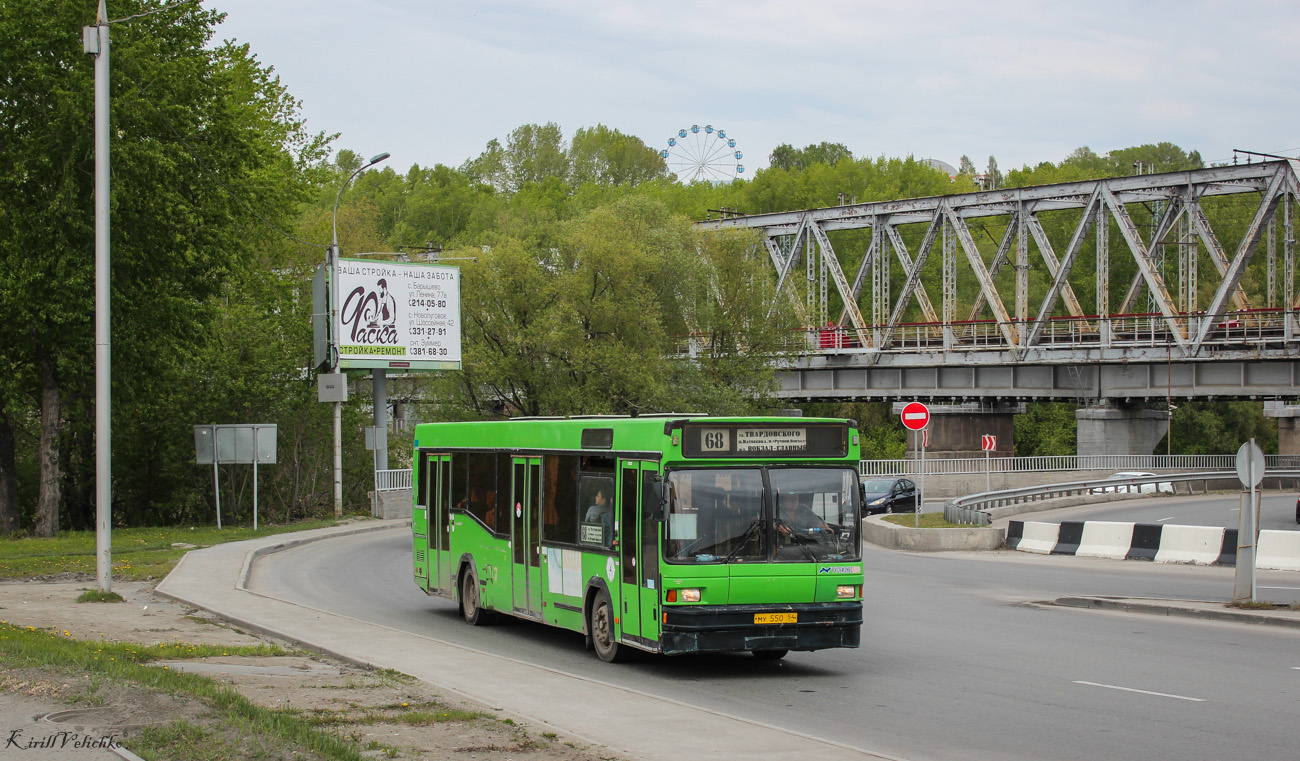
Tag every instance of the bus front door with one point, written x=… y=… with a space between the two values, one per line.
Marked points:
x=525 y=536
x=639 y=570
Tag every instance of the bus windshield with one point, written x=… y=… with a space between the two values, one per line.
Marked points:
x=726 y=515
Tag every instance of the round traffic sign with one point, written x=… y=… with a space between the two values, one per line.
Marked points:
x=916 y=416
x=1250 y=464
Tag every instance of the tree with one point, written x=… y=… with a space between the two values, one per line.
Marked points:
x=533 y=152
x=606 y=157
x=993 y=177
x=600 y=321
x=786 y=156
x=202 y=136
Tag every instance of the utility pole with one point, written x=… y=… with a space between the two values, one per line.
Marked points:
x=95 y=42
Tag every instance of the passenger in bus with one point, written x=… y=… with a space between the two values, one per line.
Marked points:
x=601 y=511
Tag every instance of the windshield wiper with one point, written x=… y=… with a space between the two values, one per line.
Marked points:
x=744 y=538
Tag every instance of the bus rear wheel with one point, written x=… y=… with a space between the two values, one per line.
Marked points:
x=603 y=637
x=471 y=607
x=770 y=655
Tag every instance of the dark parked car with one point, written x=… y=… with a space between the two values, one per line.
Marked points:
x=888 y=495
x=1297 y=510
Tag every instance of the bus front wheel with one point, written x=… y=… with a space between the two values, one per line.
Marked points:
x=603 y=637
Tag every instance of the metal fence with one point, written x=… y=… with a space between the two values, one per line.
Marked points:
x=392 y=480
x=975 y=465
x=974 y=510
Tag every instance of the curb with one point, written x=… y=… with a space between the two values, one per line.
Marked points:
x=1180 y=608
x=878 y=531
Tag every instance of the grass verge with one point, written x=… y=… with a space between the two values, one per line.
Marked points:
x=125 y=663
x=139 y=554
x=928 y=520
x=98 y=595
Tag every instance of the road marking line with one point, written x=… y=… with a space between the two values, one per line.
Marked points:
x=1143 y=692
x=1162 y=520
x=1291 y=588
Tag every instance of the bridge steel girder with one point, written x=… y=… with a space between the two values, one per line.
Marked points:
x=1043 y=339
x=1149 y=378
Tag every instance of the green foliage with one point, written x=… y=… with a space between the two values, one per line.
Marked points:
x=786 y=156
x=594 y=322
x=138 y=553
x=204 y=138
x=1046 y=428
x=606 y=157
x=97 y=595
x=1220 y=428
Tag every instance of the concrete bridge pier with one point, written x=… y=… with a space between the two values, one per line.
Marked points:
x=1112 y=428
x=1288 y=425
x=956 y=430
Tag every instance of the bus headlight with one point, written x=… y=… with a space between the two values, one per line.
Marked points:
x=846 y=591
x=690 y=595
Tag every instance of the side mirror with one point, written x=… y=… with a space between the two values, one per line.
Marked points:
x=658 y=506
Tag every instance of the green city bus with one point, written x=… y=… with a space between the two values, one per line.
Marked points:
x=668 y=534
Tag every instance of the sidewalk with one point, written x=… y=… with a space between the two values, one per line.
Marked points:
x=621 y=720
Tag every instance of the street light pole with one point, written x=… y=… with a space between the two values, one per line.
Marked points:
x=332 y=262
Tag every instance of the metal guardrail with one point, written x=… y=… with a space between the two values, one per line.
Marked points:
x=976 y=465
x=973 y=510
x=392 y=480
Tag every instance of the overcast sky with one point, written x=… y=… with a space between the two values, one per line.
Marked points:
x=432 y=81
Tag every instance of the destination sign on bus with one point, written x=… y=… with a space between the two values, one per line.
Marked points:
x=805 y=440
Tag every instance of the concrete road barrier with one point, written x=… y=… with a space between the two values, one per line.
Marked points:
x=1033 y=536
x=1106 y=539
x=1278 y=551
x=1200 y=545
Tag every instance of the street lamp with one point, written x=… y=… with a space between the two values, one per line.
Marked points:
x=332 y=262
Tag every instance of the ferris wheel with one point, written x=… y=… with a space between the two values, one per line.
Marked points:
x=705 y=154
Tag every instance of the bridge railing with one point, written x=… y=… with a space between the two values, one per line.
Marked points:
x=1248 y=327
x=393 y=480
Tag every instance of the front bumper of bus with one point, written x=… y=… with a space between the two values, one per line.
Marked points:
x=724 y=628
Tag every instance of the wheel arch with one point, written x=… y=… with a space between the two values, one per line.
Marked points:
x=595 y=586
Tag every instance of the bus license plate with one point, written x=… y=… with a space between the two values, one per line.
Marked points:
x=776 y=618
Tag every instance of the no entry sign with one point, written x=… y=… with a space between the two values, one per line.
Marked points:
x=916 y=416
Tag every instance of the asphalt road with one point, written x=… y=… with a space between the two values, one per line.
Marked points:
x=956 y=662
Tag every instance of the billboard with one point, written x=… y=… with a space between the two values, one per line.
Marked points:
x=398 y=316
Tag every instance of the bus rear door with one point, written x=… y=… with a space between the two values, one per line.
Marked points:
x=436 y=499
x=525 y=536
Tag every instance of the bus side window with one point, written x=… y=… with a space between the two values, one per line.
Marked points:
x=459 y=485
x=561 y=499
x=504 y=507
x=482 y=487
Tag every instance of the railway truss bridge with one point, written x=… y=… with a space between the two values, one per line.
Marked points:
x=1124 y=295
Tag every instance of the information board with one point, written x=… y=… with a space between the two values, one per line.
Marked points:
x=398 y=316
